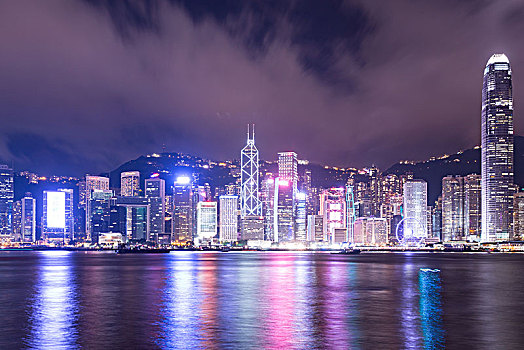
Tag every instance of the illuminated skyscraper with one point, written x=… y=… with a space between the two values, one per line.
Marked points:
x=155 y=194
x=58 y=220
x=136 y=216
x=6 y=201
x=375 y=190
x=129 y=183
x=268 y=206
x=315 y=228
x=370 y=231
x=183 y=209
x=333 y=210
x=472 y=207
x=518 y=215
x=284 y=214
x=497 y=149
x=16 y=235
x=228 y=218
x=250 y=203
x=351 y=214
x=300 y=222
x=28 y=218
x=92 y=183
x=453 y=208
x=99 y=213
x=288 y=168
x=206 y=221
x=415 y=207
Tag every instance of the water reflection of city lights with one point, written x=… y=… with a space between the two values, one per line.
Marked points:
x=431 y=308
x=54 y=306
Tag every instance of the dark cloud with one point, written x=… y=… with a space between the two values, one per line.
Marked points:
x=347 y=83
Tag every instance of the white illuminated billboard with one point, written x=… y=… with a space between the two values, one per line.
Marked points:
x=56 y=209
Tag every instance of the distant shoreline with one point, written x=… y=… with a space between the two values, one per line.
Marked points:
x=363 y=250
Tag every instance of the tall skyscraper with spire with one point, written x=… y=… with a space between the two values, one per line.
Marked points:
x=497 y=149
x=250 y=205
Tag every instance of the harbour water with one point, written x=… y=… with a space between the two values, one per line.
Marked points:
x=254 y=300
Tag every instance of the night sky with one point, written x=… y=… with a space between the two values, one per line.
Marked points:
x=88 y=85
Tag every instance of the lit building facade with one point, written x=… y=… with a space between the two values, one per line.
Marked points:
x=333 y=210
x=268 y=202
x=130 y=183
x=497 y=150
x=472 y=207
x=518 y=215
x=315 y=228
x=100 y=213
x=288 y=168
x=300 y=217
x=58 y=217
x=415 y=194
x=228 y=218
x=370 y=231
x=155 y=190
x=453 y=208
x=28 y=218
x=16 y=235
x=252 y=228
x=206 y=221
x=6 y=201
x=284 y=202
x=137 y=214
x=92 y=183
x=183 y=209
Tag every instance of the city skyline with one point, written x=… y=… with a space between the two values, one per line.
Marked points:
x=320 y=94
x=379 y=204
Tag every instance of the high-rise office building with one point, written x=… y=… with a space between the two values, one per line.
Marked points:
x=155 y=190
x=284 y=215
x=518 y=215
x=92 y=183
x=58 y=217
x=497 y=149
x=137 y=211
x=183 y=209
x=315 y=228
x=28 y=218
x=198 y=195
x=117 y=220
x=228 y=218
x=333 y=210
x=370 y=231
x=472 y=207
x=453 y=208
x=206 y=221
x=16 y=235
x=300 y=217
x=252 y=228
x=99 y=213
x=437 y=219
x=375 y=190
x=6 y=201
x=351 y=210
x=415 y=207
x=288 y=168
x=307 y=188
x=130 y=183
x=250 y=202
x=268 y=205
x=168 y=220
